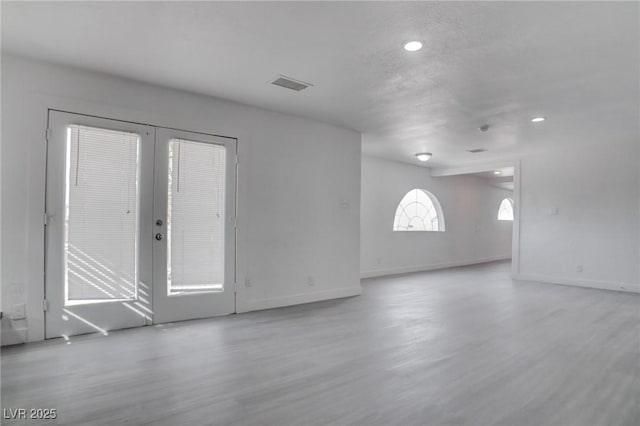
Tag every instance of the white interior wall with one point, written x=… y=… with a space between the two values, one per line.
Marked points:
x=298 y=185
x=470 y=205
x=596 y=192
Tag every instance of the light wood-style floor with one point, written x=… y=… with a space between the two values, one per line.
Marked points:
x=464 y=346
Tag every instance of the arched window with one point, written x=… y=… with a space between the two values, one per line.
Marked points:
x=505 y=211
x=419 y=210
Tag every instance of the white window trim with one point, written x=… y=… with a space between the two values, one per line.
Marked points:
x=510 y=203
x=436 y=205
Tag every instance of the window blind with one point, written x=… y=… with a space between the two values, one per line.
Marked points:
x=101 y=214
x=195 y=216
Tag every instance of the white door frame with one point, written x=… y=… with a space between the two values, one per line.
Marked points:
x=188 y=305
x=66 y=318
x=146 y=226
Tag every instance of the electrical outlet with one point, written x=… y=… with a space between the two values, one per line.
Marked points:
x=18 y=312
x=248 y=283
x=377 y=260
x=311 y=281
x=579 y=268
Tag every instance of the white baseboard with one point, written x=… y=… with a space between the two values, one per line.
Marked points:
x=297 y=299
x=10 y=336
x=431 y=267
x=600 y=285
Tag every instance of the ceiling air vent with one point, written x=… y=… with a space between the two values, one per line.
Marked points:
x=290 y=83
x=477 y=150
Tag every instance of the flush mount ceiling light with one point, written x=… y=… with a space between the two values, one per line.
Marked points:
x=538 y=119
x=412 y=46
x=423 y=156
x=497 y=172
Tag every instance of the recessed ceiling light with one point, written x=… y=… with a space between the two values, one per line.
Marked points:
x=538 y=119
x=497 y=172
x=423 y=156
x=412 y=46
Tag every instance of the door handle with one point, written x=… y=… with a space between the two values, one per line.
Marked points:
x=159 y=236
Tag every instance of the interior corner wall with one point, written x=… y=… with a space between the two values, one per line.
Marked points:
x=298 y=185
x=580 y=216
x=470 y=206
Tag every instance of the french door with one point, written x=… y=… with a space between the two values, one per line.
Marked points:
x=194 y=226
x=140 y=225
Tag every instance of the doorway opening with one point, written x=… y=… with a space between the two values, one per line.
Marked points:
x=501 y=203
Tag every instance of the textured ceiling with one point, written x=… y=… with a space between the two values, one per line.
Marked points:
x=492 y=62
